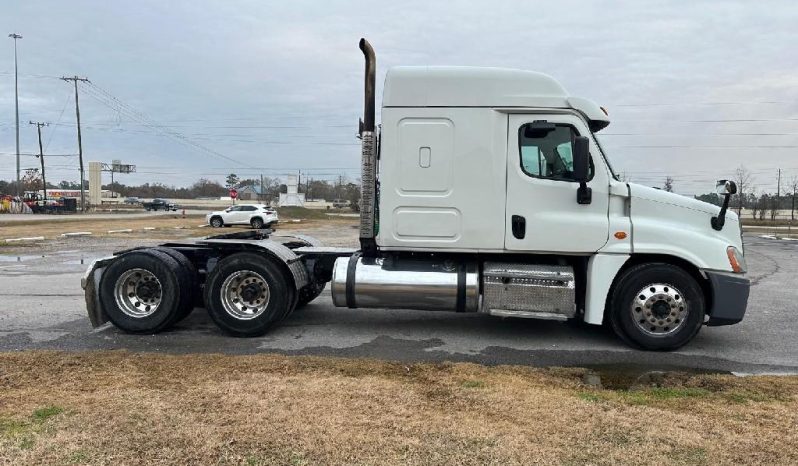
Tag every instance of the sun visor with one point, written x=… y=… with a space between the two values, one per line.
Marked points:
x=595 y=114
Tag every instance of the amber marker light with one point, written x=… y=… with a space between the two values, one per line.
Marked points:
x=620 y=235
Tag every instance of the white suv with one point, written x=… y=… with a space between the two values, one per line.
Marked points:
x=256 y=215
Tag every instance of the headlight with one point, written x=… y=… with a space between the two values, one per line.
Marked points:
x=736 y=259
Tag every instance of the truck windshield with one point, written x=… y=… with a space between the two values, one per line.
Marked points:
x=606 y=158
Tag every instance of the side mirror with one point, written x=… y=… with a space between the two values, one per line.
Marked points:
x=581 y=159
x=581 y=154
x=726 y=187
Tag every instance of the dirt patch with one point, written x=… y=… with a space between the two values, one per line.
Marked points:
x=123 y=408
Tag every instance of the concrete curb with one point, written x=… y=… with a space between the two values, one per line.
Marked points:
x=124 y=230
x=29 y=238
x=147 y=228
x=76 y=233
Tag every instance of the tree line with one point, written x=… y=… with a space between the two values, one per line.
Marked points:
x=326 y=190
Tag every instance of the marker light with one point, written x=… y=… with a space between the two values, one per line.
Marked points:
x=736 y=259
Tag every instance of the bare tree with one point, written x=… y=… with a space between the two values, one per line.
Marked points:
x=668 y=184
x=743 y=178
x=774 y=207
x=754 y=203
x=763 y=202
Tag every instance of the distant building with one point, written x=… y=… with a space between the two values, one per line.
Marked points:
x=251 y=193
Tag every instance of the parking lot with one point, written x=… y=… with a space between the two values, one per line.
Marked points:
x=42 y=307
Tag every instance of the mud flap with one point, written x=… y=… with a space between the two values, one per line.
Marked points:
x=91 y=287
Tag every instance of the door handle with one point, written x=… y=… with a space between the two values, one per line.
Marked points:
x=518 y=224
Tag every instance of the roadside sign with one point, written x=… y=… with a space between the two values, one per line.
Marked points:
x=233 y=193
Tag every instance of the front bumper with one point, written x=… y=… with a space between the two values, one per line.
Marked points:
x=729 y=298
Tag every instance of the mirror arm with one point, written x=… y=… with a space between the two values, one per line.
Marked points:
x=720 y=220
x=584 y=195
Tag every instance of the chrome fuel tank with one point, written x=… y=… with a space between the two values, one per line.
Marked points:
x=441 y=285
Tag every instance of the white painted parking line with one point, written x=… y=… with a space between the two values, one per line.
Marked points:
x=124 y=230
x=29 y=238
x=77 y=233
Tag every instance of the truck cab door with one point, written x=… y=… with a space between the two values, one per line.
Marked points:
x=542 y=212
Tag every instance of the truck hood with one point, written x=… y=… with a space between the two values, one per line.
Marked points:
x=677 y=200
x=665 y=222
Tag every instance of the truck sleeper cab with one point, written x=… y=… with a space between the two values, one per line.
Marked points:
x=483 y=190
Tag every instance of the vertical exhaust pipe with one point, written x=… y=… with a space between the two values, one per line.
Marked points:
x=370 y=78
x=368 y=166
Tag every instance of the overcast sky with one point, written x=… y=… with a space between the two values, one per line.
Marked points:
x=276 y=86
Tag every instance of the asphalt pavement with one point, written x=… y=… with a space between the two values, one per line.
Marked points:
x=42 y=307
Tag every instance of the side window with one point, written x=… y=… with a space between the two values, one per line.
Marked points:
x=546 y=150
x=249 y=208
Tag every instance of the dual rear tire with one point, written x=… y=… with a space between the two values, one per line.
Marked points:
x=247 y=293
x=148 y=290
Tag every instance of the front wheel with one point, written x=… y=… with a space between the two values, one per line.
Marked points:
x=656 y=307
x=216 y=222
x=247 y=293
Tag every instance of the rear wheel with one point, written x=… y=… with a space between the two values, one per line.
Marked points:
x=141 y=293
x=189 y=281
x=657 y=307
x=247 y=293
x=257 y=223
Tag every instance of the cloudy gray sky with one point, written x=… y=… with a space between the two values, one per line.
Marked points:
x=694 y=88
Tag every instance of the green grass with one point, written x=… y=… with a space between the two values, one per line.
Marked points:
x=643 y=397
x=42 y=414
x=473 y=384
x=12 y=427
x=78 y=457
x=590 y=397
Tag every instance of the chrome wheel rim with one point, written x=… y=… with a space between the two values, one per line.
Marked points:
x=138 y=293
x=659 y=309
x=245 y=295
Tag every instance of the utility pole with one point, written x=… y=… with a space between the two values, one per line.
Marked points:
x=75 y=79
x=41 y=155
x=260 y=195
x=16 y=37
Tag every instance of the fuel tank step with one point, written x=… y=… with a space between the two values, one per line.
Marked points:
x=528 y=290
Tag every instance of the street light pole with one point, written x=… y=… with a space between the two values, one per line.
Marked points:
x=16 y=36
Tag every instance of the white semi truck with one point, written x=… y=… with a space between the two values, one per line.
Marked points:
x=483 y=190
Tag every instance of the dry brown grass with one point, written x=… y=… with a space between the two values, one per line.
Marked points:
x=166 y=226
x=123 y=408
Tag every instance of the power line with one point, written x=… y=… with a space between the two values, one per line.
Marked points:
x=58 y=121
x=109 y=100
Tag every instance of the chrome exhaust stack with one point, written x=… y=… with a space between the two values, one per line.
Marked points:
x=368 y=166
